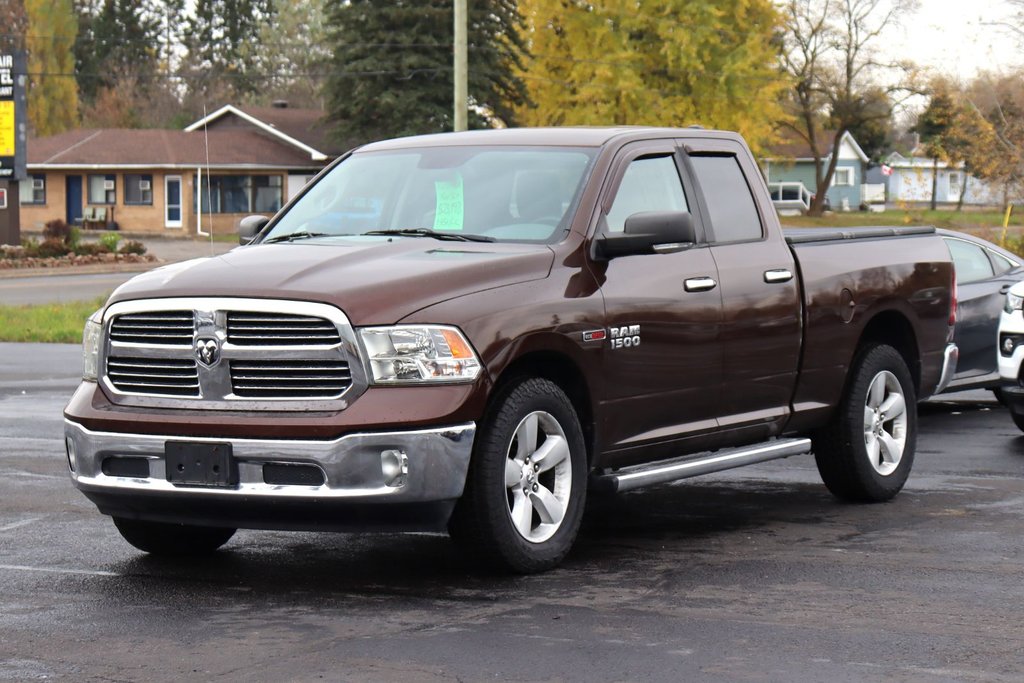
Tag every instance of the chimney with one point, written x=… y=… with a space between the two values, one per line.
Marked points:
x=279 y=104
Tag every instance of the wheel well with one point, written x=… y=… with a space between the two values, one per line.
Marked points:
x=564 y=372
x=893 y=328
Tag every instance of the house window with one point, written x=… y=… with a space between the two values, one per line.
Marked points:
x=138 y=189
x=32 y=189
x=102 y=189
x=241 y=194
x=843 y=177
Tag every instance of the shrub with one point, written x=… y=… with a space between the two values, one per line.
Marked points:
x=74 y=237
x=57 y=230
x=110 y=240
x=51 y=247
x=133 y=247
x=91 y=249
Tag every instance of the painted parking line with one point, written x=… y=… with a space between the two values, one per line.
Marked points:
x=17 y=525
x=57 y=570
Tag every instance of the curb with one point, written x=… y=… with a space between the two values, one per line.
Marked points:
x=91 y=269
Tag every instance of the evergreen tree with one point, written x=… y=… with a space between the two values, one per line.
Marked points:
x=52 y=90
x=223 y=46
x=293 y=53
x=391 y=70
x=117 y=41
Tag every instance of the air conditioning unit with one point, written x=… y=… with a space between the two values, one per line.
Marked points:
x=108 y=184
x=145 y=185
x=38 y=184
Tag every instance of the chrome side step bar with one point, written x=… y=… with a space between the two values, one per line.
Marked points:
x=630 y=478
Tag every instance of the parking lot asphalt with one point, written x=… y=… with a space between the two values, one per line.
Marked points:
x=751 y=575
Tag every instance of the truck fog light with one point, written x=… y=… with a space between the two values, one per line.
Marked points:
x=1008 y=345
x=69 y=444
x=394 y=465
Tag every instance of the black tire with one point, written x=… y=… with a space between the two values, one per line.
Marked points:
x=841 y=450
x=483 y=518
x=1018 y=420
x=159 y=538
x=1001 y=397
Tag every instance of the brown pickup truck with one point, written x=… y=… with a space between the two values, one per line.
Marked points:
x=471 y=331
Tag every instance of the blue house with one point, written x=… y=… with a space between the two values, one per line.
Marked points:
x=788 y=168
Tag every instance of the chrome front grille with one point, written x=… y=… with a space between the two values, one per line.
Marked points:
x=158 y=327
x=289 y=378
x=230 y=354
x=279 y=329
x=156 y=376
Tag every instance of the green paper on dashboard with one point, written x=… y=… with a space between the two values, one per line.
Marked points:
x=449 y=209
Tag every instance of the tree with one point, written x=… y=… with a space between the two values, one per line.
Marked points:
x=391 y=66
x=294 y=52
x=13 y=20
x=223 y=46
x=679 y=62
x=118 y=39
x=829 y=53
x=997 y=105
x=52 y=90
x=935 y=125
x=875 y=132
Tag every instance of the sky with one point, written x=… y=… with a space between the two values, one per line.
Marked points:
x=957 y=38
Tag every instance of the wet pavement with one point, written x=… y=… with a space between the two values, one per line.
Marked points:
x=753 y=575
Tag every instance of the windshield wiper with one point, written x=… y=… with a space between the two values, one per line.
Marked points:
x=424 y=232
x=300 y=235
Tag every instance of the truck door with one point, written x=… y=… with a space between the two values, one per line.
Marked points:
x=761 y=309
x=662 y=363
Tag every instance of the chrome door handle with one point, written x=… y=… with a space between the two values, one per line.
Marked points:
x=778 y=275
x=699 y=284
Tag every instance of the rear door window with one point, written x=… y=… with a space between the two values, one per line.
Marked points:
x=730 y=204
x=970 y=261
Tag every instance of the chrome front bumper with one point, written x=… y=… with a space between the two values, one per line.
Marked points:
x=432 y=466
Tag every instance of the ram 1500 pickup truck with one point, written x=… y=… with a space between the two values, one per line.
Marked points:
x=471 y=331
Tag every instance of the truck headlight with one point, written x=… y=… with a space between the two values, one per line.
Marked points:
x=92 y=336
x=419 y=354
x=1013 y=302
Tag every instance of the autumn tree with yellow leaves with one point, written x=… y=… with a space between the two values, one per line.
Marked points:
x=655 y=62
x=52 y=90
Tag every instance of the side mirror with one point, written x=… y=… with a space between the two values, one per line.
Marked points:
x=249 y=227
x=650 y=232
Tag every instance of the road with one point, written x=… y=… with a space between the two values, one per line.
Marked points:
x=61 y=286
x=753 y=575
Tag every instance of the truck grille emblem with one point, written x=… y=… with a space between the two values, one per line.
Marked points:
x=207 y=351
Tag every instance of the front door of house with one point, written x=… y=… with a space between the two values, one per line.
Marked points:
x=73 y=198
x=172 y=194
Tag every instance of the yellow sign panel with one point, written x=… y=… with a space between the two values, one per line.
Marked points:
x=7 y=129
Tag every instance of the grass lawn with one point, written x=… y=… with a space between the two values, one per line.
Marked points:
x=58 y=323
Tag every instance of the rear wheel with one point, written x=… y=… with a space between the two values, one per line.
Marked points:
x=159 y=538
x=867 y=452
x=1018 y=420
x=526 y=485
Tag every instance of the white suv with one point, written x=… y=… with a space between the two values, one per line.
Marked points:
x=1011 y=352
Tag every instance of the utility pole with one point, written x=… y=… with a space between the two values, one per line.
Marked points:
x=461 y=67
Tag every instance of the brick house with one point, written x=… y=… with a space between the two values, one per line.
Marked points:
x=246 y=160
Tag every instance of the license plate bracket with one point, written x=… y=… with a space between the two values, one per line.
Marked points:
x=191 y=463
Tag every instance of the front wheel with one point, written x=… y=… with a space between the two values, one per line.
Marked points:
x=526 y=485
x=866 y=453
x=159 y=538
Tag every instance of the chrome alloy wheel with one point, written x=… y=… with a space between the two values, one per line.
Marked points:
x=885 y=423
x=538 y=477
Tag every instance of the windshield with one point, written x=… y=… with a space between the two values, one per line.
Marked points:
x=501 y=193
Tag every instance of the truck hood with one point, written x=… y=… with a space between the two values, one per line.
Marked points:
x=375 y=281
